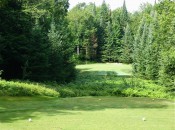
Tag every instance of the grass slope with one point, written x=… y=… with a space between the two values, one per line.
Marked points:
x=86 y=113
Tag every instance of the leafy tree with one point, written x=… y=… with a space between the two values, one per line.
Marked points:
x=83 y=22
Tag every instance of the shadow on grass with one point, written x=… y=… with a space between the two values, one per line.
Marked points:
x=87 y=71
x=23 y=108
x=13 y=109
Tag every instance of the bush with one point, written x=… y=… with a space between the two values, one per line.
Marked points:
x=11 y=88
x=66 y=92
x=145 y=88
x=117 y=92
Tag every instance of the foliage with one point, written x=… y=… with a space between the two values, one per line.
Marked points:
x=92 y=81
x=26 y=48
x=153 y=48
x=127 y=44
x=15 y=88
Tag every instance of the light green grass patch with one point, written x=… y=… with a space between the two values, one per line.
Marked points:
x=86 y=113
x=104 y=69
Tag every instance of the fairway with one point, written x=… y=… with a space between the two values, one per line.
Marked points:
x=86 y=113
x=87 y=65
x=104 y=68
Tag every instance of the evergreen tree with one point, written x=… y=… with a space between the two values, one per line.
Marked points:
x=116 y=34
x=152 y=50
x=15 y=35
x=55 y=58
x=137 y=47
x=104 y=15
x=61 y=67
x=103 y=23
x=36 y=64
x=141 y=58
x=127 y=46
x=167 y=64
x=124 y=17
x=109 y=44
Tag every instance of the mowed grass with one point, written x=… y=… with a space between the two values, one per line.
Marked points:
x=86 y=113
x=89 y=113
x=103 y=68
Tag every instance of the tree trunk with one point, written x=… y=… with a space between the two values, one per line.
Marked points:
x=78 y=50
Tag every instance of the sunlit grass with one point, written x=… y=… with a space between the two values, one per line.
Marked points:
x=120 y=69
x=86 y=113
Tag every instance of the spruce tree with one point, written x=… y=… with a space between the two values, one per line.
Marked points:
x=116 y=34
x=103 y=23
x=124 y=17
x=167 y=63
x=142 y=52
x=137 y=47
x=152 y=49
x=127 y=46
x=108 y=46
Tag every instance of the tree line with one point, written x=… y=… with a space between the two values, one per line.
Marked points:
x=42 y=40
x=144 y=38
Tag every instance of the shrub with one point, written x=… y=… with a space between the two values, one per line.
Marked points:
x=11 y=88
x=66 y=92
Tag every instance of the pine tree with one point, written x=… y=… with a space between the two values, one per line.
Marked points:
x=167 y=64
x=152 y=50
x=112 y=46
x=116 y=34
x=124 y=17
x=108 y=46
x=127 y=46
x=103 y=23
x=142 y=52
x=137 y=49
x=55 y=58
x=104 y=15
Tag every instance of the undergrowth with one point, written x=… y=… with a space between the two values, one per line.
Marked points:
x=91 y=84
x=88 y=83
x=16 y=88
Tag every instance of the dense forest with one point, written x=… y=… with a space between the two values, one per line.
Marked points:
x=42 y=40
x=35 y=42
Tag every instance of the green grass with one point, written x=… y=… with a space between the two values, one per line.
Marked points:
x=86 y=113
x=110 y=79
x=104 y=112
x=102 y=69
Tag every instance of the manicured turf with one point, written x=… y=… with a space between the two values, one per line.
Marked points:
x=86 y=113
x=102 y=69
x=90 y=113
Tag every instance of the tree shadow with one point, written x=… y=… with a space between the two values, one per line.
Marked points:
x=25 y=108
x=22 y=108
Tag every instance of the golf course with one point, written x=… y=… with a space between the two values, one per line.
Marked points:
x=87 y=65
x=89 y=112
